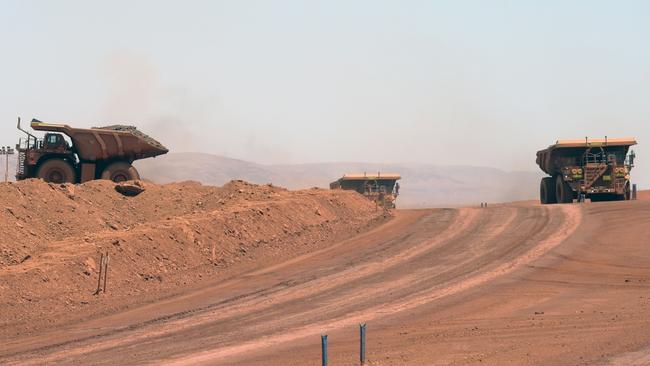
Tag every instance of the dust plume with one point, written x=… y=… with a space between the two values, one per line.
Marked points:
x=174 y=114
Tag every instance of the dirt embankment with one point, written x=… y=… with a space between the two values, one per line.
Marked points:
x=167 y=239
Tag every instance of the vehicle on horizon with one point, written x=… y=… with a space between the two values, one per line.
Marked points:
x=381 y=188
x=91 y=153
x=598 y=169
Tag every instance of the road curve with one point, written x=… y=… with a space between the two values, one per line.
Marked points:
x=419 y=258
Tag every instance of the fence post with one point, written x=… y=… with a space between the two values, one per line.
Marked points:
x=634 y=191
x=99 y=278
x=106 y=271
x=323 y=341
x=362 y=343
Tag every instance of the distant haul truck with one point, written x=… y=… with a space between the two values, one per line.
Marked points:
x=95 y=153
x=598 y=169
x=381 y=188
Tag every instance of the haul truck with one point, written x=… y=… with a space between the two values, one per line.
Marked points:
x=381 y=187
x=598 y=169
x=95 y=153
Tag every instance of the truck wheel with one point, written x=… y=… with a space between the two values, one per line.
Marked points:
x=57 y=171
x=120 y=172
x=547 y=191
x=563 y=191
x=627 y=195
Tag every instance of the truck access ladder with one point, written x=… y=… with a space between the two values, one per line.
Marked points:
x=593 y=172
x=20 y=168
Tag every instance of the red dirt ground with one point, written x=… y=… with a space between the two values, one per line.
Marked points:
x=166 y=239
x=512 y=284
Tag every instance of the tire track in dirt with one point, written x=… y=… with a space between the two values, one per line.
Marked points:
x=470 y=229
x=572 y=219
x=259 y=300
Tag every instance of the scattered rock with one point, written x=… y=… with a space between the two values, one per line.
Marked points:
x=131 y=188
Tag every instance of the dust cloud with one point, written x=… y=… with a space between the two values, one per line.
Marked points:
x=174 y=114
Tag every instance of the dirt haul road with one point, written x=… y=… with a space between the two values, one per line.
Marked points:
x=510 y=284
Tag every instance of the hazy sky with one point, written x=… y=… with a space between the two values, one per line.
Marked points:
x=442 y=82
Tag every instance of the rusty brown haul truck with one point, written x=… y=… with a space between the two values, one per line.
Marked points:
x=95 y=153
x=598 y=169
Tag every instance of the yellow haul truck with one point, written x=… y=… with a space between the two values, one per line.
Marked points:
x=382 y=188
x=95 y=153
x=598 y=169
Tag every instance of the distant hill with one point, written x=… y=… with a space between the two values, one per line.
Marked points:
x=422 y=185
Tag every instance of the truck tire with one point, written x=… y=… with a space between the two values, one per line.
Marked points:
x=563 y=191
x=120 y=171
x=626 y=196
x=56 y=171
x=547 y=191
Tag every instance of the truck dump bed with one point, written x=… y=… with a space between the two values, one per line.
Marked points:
x=570 y=152
x=105 y=143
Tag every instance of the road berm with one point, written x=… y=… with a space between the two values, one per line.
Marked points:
x=169 y=237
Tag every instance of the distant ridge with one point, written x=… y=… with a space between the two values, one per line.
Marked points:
x=423 y=185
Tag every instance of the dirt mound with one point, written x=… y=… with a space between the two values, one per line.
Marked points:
x=162 y=240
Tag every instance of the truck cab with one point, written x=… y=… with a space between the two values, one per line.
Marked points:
x=54 y=141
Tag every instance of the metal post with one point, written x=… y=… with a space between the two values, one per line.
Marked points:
x=99 y=278
x=362 y=343
x=634 y=191
x=323 y=341
x=106 y=271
